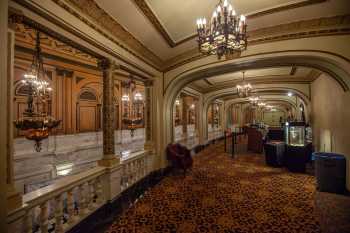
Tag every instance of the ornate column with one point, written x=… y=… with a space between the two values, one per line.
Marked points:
x=148 y=115
x=109 y=158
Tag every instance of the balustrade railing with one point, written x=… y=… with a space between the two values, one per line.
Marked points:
x=134 y=169
x=60 y=206
x=65 y=203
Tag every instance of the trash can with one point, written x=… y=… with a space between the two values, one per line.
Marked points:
x=330 y=170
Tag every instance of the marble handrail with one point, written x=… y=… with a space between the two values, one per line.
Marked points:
x=134 y=168
x=64 y=203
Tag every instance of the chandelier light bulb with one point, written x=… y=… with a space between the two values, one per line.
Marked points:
x=225 y=3
x=215 y=14
x=230 y=9
x=243 y=18
x=204 y=21
x=218 y=9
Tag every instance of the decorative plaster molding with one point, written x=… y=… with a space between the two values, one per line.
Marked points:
x=147 y=11
x=112 y=30
x=326 y=26
x=104 y=20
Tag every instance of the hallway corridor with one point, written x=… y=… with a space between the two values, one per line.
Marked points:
x=222 y=194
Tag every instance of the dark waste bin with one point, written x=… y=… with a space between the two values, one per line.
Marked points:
x=330 y=170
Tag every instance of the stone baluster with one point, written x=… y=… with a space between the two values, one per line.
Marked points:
x=28 y=221
x=58 y=213
x=82 y=200
x=99 y=191
x=70 y=207
x=43 y=218
x=87 y=198
x=91 y=193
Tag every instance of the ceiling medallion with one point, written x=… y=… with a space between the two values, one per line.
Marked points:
x=244 y=89
x=36 y=122
x=224 y=34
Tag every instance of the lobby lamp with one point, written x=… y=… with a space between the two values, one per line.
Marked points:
x=36 y=122
x=224 y=34
x=244 y=88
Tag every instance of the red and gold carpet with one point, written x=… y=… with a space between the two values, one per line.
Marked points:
x=222 y=194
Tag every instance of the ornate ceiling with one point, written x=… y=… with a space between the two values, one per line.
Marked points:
x=296 y=75
x=162 y=32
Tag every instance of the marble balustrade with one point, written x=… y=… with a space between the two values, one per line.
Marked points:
x=66 y=202
x=37 y=169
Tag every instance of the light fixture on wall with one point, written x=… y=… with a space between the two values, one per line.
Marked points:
x=244 y=89
x=290 y=94
x=36 y=122
x=125 y=98
x=177 y=102
x=224 y=34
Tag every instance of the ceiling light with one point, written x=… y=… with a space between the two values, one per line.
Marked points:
x=290 y=94
x=36 y=123
x=244 y=89
x=224 y=34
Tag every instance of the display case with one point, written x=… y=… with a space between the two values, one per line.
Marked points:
x=295 y=133
x=298 y=150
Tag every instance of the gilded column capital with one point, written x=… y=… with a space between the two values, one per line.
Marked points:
x=107 y=64
x=104 y=63
x=14 y=17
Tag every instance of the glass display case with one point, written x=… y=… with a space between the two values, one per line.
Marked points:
x=295 y=133
x=298 y=150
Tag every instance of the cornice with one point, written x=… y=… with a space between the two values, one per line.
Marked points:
x=325 y=26
x=147 y=11
x=115 y=30
x=95 y=17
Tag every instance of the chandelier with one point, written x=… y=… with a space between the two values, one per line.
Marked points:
x=254 y=101
x=224 y=34
x=244 y=89
x=125 y=98
x=36 y=122
x=138 y=97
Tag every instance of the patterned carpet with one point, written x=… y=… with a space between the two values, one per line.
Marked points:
x=222 y=194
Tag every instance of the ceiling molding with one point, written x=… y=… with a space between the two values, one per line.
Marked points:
x=147 y=11
x=105 y=21
x=283 y=79
x=325 y=26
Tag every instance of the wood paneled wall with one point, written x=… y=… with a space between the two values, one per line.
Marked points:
x=76 y=98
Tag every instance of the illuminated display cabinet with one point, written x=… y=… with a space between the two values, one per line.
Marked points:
x=295 y=133
x=298 y=150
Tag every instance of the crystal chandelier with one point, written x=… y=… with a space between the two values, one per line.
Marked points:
x=36 y=122
x=254 y=101
x=224 y=34
x=244 y=89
